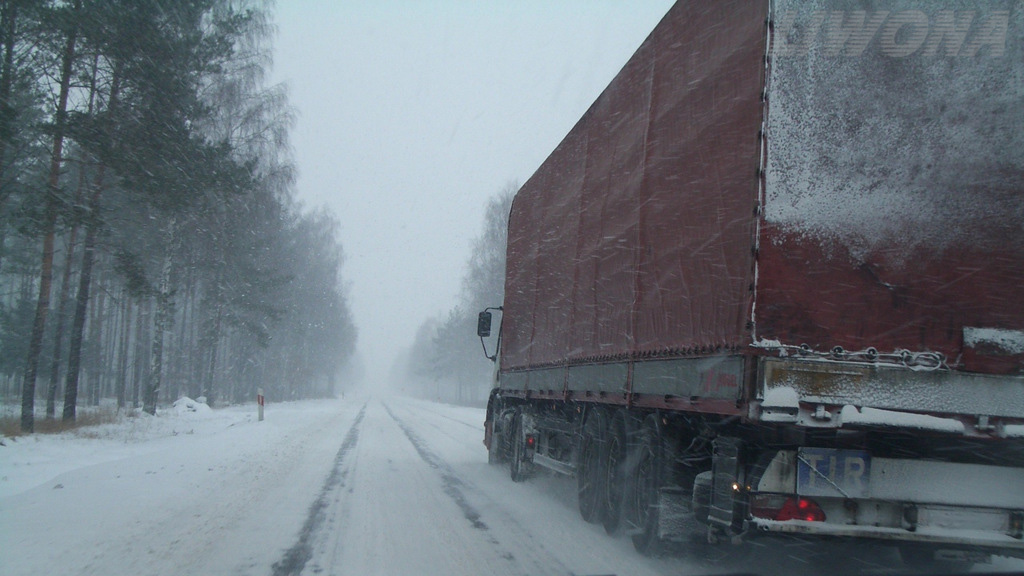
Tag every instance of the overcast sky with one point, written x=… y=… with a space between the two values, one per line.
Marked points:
x=412 y=114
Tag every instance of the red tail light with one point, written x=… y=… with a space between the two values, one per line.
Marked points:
x=801 y=509
x=780 y=507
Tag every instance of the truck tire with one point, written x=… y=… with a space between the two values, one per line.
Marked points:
x=590 y=475
x=648 y=477
x=614 y=468
x=519 y=468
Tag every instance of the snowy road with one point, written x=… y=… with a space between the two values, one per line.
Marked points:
x=414 y=495
x=356 y=487
x=335 y=487
x=216 y=495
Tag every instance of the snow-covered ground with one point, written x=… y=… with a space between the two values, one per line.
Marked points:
x=206 y=492
x=359 y=486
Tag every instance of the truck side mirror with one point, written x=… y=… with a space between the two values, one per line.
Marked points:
x=483 y=324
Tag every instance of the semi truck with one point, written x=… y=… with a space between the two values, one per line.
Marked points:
x=771 y=284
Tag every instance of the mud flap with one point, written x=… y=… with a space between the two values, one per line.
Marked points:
x=724 y=514
x=675 y=518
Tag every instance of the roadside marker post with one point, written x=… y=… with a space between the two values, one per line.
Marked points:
x=259 y=402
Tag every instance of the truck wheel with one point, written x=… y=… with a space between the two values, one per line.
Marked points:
x=614 y=468
x=590 y=471
x=519 y=469
x=648 y=478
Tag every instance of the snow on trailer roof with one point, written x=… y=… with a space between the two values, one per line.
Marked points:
x=894 y=209
x=887 y=161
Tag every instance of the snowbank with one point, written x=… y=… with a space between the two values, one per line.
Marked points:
x=28 y=461
x=186 y=405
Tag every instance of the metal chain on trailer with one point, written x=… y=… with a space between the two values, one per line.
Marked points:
x=925 y=361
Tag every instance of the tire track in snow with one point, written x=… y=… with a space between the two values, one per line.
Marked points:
x=477 y=426
x=452 y=484
x=453 y=487
x=446 y=432
x=294 y=560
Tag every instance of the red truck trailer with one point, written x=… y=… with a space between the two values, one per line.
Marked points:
x=772 y=282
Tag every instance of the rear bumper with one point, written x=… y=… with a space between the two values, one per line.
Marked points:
x=940 y=537
x=853 y=495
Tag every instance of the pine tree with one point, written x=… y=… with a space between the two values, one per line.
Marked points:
x=49 y=223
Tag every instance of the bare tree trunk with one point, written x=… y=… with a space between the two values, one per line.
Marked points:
x=8 y=28
x=122 y=357
x=62 y=313
x=92 y=227
x=197 y=347
x=139 y=358
x=178 y=370
x=109 y=338
x=161 y=323
x=211 y=375
x=96 y=348
x=58 y=337
x=35 y=344
x=82 y=302
x=65 y=286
